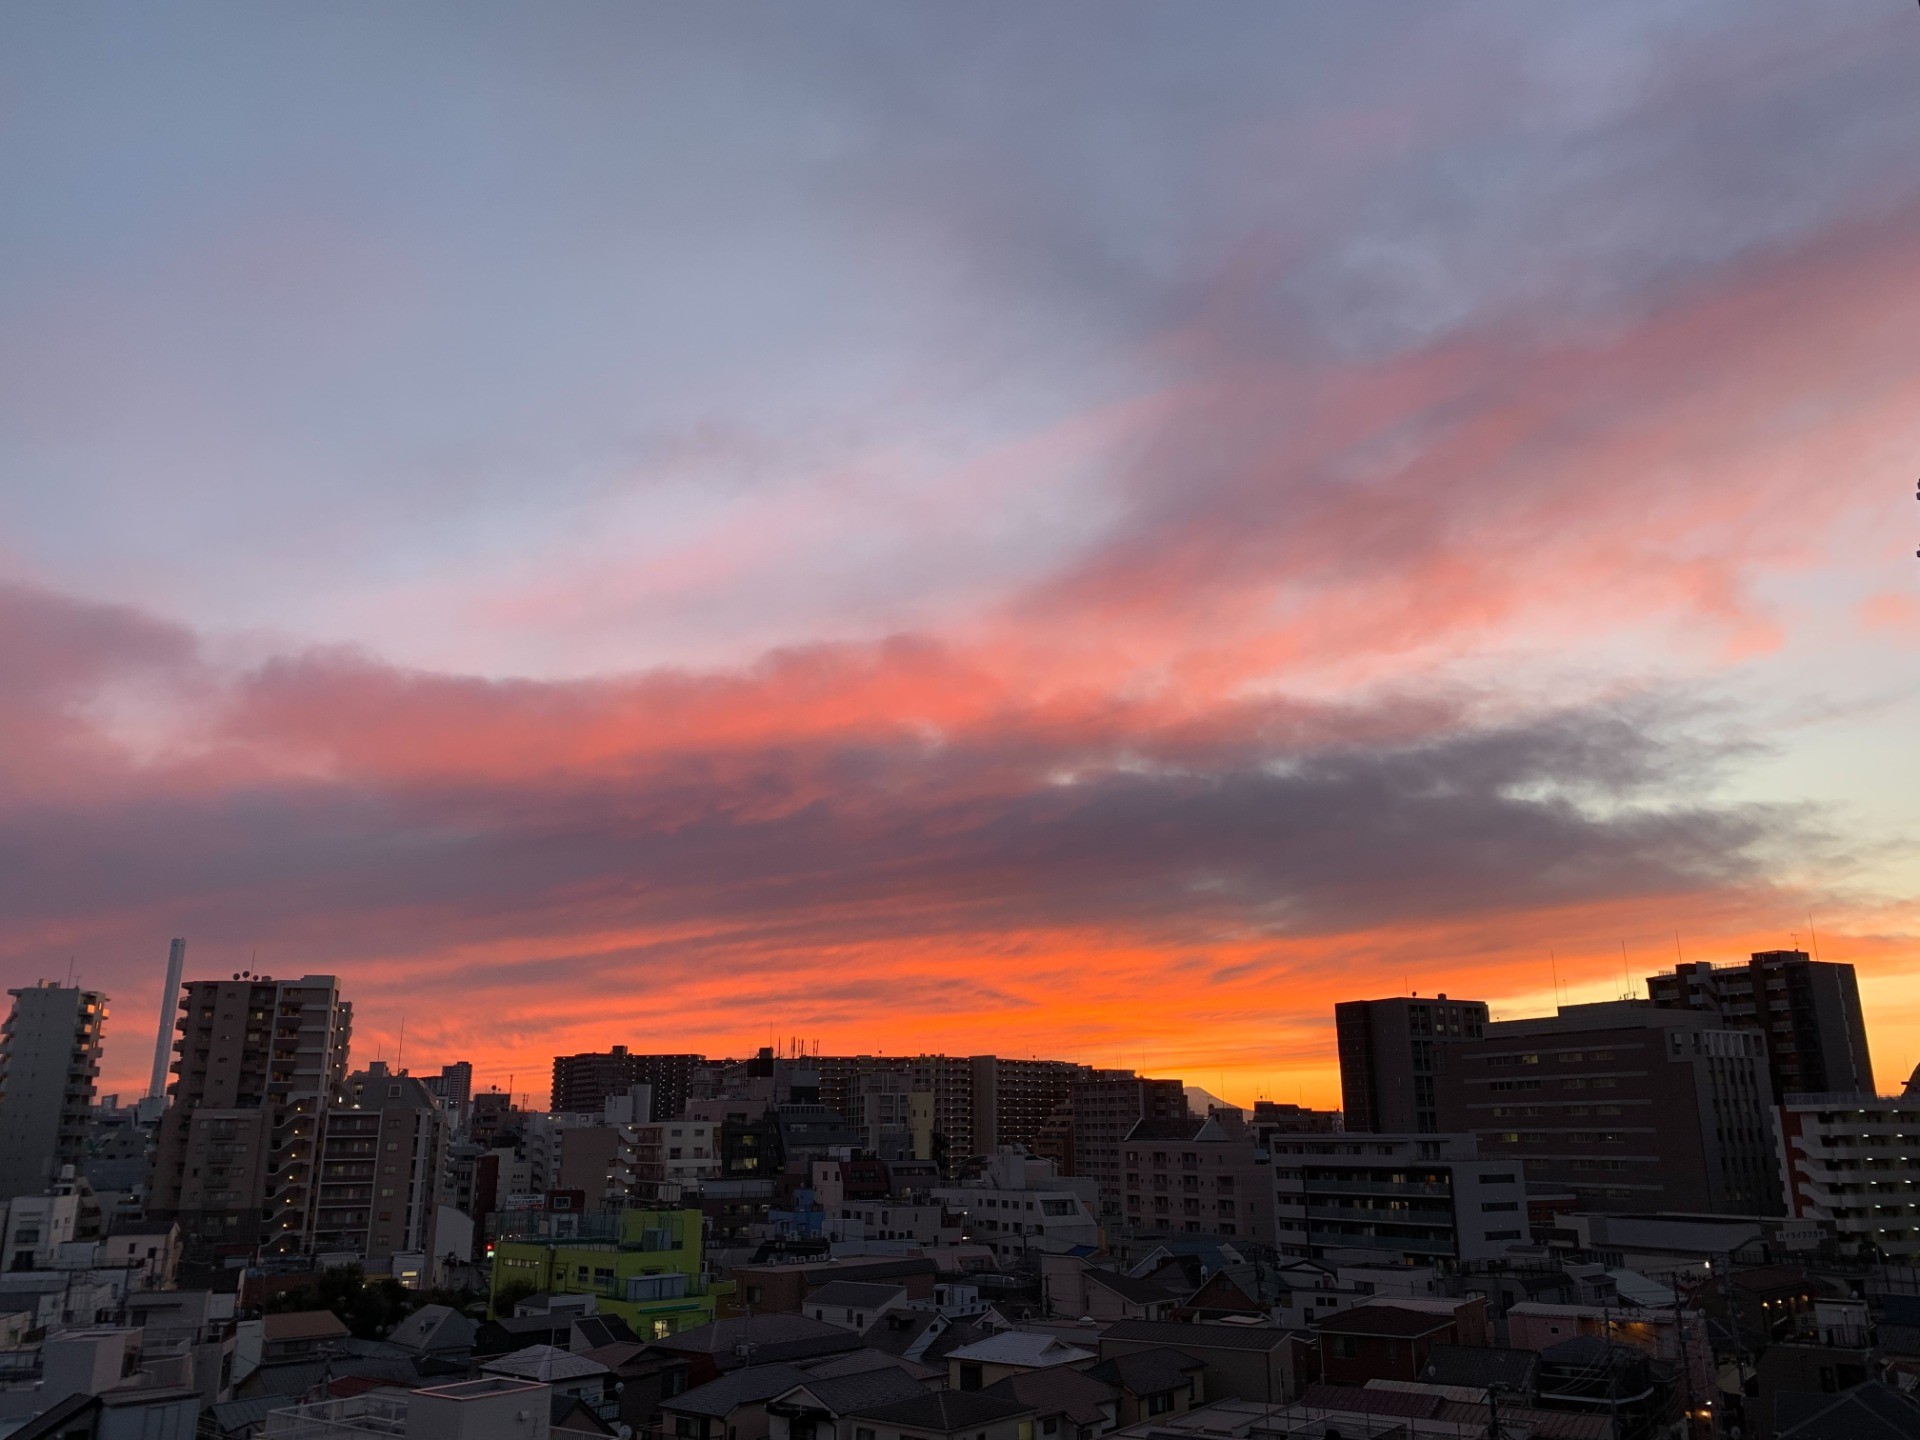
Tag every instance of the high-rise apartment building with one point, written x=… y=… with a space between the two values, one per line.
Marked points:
x=49 y=1059
x=382 y=1169
x=1387 y=1058
x=1808 y=1010
x=1013 y=1099
x=1107 y=1104
x=258 y=1062
x=583 y=1083
x=1628 y=1106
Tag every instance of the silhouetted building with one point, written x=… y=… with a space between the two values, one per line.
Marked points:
x=1387 y=1058
x=1625 y=1105
x=258 y=1062
x=49 y=1058
x=1808 y=1010
x=582 y=1084
x=1107 y=1104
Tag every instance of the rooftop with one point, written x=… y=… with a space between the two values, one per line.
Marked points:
x=945 y=1411
x=1023 y=1348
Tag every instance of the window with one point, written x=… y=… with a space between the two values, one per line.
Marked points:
x=970 y=1376
x=1159 y=1404
x=1488 y=1207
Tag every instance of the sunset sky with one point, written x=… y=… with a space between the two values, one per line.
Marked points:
x=1090 y=530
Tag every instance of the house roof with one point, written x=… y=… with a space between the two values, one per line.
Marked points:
x=588 y=1331
x=1199 y=1337
x=843 y=1394
x=1873 y=1411
x=435 y=1327
x=1383 y=1320
x=896 y=1330
x=749 y=1385
x=855 y=1294
x=1899 y=1339
x=545 y=1363
x=1059 y=1390
x=773 y=1337
x=1023 y=1348
x=1475 y=1367
x=857 y=1362
x=1138 y=1290
x=304 y=1325
x=1149 y=1372
x=945 y=1411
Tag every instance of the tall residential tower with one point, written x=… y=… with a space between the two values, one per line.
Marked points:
x=49 y=1058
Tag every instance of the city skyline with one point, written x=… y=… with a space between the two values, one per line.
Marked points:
x=1013 y=537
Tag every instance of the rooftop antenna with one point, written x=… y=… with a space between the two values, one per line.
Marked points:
x=1554 y=961
x=1626 y=977
x=401 y=1052
x=1813 y=935
x=70 y=963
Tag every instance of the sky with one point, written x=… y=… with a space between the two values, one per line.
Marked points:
x=1086 y=530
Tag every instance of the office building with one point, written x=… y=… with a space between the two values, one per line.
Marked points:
x=1624 y=1105
x=1807 y=1010
x=258 y=1062
x=583 y=1083
x=382 y=1170
x=1192 y=1176
x=49 y=1060
x=1395 y=1199
x=1107 y=1104
x=1854 y=1161
x=1387 y=1058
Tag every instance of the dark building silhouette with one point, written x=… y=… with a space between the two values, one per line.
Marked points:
x=1387 y=1058
x=1808 y=1010
x=582 y=1084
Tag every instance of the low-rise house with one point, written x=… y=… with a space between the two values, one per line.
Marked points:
x=1154 y=1382
x=561 y=1371
x=944 y=1415
x=645 y=1377
x=854 y=1304
x=1068 y=1404
x=1262 y=1363
x=296 y=1335
x=1381 y=1342
x=820 y=1407
x=733 y=1407
x=976 y=1366
x=760 y=1340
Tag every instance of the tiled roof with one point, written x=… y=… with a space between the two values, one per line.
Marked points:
x=842 y=1394
x=945 y=1411
x=1199 y=1337
x=545 y=1363
x=749 y=1385
x=1138 y=1291
x=1383 y=1320
x=1021 y=1347
x=304 y=1325
x=1059 y=1390
x=1874 y=1411
x=855 y=1294
x=1149 y=1372
x=1412 y=1404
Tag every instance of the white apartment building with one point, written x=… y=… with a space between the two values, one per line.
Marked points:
x=1421 y=1199
x=1021 y=1206
x=1854 y=1160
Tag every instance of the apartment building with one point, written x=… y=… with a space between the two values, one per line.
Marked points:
x=671 y=1160
x=583 y=1083
x=1807 y=1010
x=1394 y=1199
x=1013 y=1099
x=257 y=1063
x=1854 y=1160
x=49 y=1060
x=1388 y=1051
x=382 y=1169
x=1107 y=1104
x=1193 y=1176
x=1627 y=1106
x=1020 y=1204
